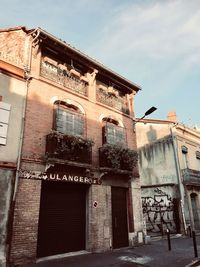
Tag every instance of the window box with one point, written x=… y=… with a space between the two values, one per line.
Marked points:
x=68 y=147
x=117 y=157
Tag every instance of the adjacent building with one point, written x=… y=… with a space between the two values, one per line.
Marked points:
x=76 y=179
x=13 y=88
x=169 y=166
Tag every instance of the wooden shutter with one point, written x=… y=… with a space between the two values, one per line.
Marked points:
x=4 y=119
x=69 y=123
x=114 y=134
x=110 y=133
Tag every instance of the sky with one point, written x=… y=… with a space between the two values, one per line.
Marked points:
x=153 y=43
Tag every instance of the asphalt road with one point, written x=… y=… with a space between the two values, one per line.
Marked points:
x=155 y=254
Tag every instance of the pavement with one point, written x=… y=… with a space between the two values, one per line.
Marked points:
x=154 y=254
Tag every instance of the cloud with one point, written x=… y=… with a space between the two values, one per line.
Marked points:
x=156 y=31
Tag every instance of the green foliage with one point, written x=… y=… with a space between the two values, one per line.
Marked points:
x=71 y=143
x=120 y=157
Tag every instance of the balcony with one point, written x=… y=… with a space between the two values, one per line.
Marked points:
x=191 y=177
x=117 y=158
x=68 y=149
x=112 y=100
x=63 y=77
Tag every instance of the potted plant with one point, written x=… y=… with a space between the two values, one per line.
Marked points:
x=118 y=157
x=68 y=147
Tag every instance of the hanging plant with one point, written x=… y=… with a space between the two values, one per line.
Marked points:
x=119 y=157
x=129 y=158
x=112 y=155
x=69 y=144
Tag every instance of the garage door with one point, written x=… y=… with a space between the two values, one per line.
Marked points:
x=62 y=218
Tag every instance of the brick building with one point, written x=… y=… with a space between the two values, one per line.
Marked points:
x=78 y=185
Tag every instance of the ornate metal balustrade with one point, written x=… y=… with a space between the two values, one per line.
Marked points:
x=63 y=77
x=191 y=177
x=114 y=101
x=68 y=148
x=117 y=158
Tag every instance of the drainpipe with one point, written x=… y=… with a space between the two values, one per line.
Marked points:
x=20 y=142
x=175 y=150
x=27 y=78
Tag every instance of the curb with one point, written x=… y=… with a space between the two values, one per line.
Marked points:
x=194 y=263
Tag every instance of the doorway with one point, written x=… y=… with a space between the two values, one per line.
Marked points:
x=119 y=217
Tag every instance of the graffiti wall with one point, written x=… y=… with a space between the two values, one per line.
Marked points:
x=160 y=210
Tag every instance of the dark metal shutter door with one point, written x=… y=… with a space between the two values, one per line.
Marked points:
x=62 y=218
x=119 y=217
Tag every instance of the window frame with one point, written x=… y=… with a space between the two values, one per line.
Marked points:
x=107 y=125
x=197 y=154
x=68 y=111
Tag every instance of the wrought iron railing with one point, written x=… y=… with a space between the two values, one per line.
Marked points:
x=69 y=148
x=63 y=77
x=110 y=156
x=117 y=102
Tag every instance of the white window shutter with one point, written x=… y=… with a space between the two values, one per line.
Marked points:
x=4 y=120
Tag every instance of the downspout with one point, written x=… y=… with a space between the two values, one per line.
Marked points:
x=21 y=141
x=175 y=150
x=27 y=78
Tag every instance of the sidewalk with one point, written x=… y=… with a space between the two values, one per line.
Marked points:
x=155 y=254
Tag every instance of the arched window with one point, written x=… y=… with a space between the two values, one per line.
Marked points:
x=184 y=149
x=197 y=154
x=68 y=119
x=185 y=159
x=112 y=132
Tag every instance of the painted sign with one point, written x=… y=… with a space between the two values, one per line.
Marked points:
x=66 y=177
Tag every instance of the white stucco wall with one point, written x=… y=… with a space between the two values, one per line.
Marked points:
x=156 y=155
x=13 y=92
x=150 y=132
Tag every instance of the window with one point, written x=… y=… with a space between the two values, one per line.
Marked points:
x=184 y=153
x=198 y=154
x=68 y=119
x=198 y=159
x=113 y=134
x=184 y=149
x=4 y=120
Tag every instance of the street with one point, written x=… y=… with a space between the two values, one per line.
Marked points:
x=155 y=254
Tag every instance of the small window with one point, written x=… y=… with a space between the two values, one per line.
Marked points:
x=113 y=134
x=68 y=119
x=184 y=150
x=198 y=154
x=4 y=120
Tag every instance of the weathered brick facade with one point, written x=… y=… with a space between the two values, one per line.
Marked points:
x=60 y=78
x=24 y=235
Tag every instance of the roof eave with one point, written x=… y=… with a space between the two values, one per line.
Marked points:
x=132 y=86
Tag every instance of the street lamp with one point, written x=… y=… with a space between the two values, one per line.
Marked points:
x=148 y=112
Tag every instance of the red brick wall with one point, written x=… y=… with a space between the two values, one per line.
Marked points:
x=39 y=119
x=38 y=123
x=26 y=215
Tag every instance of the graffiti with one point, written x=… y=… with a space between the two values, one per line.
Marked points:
x=160 y=213
x=159 y=191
